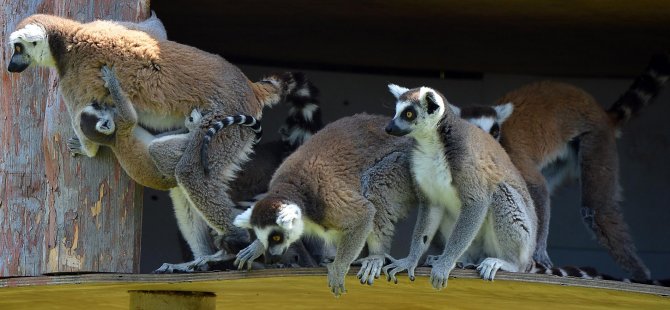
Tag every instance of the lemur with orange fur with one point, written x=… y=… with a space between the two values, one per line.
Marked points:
x=558 y=132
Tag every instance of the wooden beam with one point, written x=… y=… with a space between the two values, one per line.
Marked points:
x=306 y=288
x=182 y=300
x=59 y=213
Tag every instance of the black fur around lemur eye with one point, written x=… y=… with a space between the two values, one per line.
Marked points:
x=495 y=131
x=34 y=43
x=409 y=114
x=276 y=238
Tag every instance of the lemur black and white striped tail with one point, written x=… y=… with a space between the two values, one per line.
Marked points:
x=304 y=115
x=643 y=90
x=590 y=273
x=243 y=120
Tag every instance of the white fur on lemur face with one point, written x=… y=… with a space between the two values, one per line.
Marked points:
x=31 y=47
x=418 y=110
x=287 y=228
x=489 y=119
x=103 y=116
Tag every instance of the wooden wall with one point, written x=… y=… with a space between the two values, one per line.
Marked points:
x=59 y=213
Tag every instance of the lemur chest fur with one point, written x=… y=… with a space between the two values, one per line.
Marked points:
x=330 y=236
x=150 y=120
x=433 y=175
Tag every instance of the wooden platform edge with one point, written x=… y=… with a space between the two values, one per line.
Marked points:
x=117 y=278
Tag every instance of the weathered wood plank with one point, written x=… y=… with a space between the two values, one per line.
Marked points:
x=59 y=213
x=303 y=288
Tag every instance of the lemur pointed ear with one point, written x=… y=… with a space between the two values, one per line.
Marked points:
x=431 y=99
x=287 y=216
x=397 y=91
x=503 y=111
x=244 y=219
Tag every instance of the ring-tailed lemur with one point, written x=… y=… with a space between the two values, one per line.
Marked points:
x=349 y=184
x=475 y=193
x=116 y=126
x=303 y=121
x=166 y=81
x=559 y=132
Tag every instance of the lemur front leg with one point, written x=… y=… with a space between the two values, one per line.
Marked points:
x=80 y=144
x=355 y=229
x=467 y=226
x=126 y=116
x=427 y=222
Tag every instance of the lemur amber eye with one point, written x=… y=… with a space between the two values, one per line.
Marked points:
x=409 y=114
x=276 y=238
x=17 y=48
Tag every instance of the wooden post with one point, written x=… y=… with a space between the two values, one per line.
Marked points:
x=59 y=213
x=177 y=300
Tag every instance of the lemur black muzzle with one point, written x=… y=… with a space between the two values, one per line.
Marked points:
x=393 y=129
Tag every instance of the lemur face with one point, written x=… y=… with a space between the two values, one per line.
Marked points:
x=277 y=224
x=97 y=122
x=489 y=119
x=31 y=46
x=417 y=109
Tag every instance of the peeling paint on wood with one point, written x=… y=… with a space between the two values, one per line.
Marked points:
x=59 y=213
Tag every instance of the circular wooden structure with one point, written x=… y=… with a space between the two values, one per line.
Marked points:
x=306 y=288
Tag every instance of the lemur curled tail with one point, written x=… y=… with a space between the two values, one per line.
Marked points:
x=304 y=114
x=558 y=132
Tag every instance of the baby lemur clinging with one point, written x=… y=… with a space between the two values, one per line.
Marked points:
x=477 y=197
x=116 y=126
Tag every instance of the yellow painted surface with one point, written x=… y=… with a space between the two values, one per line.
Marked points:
x=311 y=292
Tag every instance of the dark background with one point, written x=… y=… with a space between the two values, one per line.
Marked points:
x=473 y=51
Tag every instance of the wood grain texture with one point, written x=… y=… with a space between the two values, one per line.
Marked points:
x=59 y=213
x=306 y=288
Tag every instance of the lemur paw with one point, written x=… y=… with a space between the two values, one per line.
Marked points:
x=199 y=264
x=249 y=254
x=336 y=275
x=542 y=258
x=400 y=265
x=439 y=275
x=74 y=145
x=488 y=268
x=109 y=77
x=371 y=268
